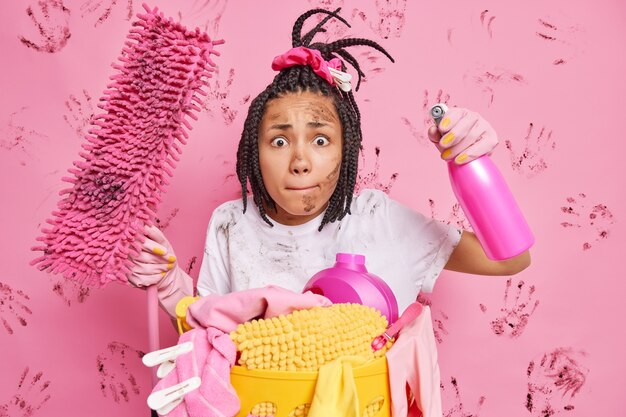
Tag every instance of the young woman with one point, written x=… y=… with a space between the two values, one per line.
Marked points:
x=298 y=154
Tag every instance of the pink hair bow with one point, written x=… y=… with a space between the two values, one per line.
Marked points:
x=328 y=70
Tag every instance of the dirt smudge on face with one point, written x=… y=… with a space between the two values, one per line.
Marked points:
x=309 y=203
x=333 y=175
x=323 y=112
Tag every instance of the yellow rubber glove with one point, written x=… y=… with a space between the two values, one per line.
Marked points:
x=335 y=390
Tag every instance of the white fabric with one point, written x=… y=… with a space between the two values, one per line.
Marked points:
x=401 y=246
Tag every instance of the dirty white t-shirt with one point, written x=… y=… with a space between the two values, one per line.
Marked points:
x=401 y=246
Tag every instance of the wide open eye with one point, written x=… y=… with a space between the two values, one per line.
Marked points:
x=279 y=142
x=321 y=141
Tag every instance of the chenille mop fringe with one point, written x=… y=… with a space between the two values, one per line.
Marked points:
x=130 y=152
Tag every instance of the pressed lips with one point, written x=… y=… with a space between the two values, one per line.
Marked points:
x=301 y=188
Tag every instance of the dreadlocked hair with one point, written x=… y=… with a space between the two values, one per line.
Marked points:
x=301 y=78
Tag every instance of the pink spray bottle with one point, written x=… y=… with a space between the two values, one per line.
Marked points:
x=488 y=204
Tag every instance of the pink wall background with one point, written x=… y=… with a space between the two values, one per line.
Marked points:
x=547 y=75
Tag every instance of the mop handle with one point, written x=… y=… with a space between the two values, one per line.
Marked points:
x=153 y=325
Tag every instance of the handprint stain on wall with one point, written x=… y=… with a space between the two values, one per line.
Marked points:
x=554 y=380
x=564 y=37
x=51 y=20
x=420 y=132
x=371 y=180
x=326 y=4
x=439 y=319
x=593 y=219
x=70 y=291
x=389 y=19
x=546 y=25
x=30 y=396
x=210 y=12
x=372 y=64
x=488 y=81
x=514 y=315
x=13 y=307
x=164 y=222
x=219 y=101
x=486 y=20
x=191 y=264
x=115 y=378
x=449 y=33
x=16 y=137
x=531 y=159
x=452 y=395
x=456 y=218
x=79 y=114
x=334 y=29
x=103 y=9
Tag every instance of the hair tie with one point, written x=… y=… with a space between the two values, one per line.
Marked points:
x=328 y=70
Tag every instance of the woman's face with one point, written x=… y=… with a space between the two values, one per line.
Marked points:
x=300 y=141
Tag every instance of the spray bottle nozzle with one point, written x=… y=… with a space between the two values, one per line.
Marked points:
x=437 y=111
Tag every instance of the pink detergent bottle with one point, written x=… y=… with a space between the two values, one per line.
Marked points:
x=488 y=204
x=349 y=282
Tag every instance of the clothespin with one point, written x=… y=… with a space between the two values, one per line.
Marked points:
x=166 y=358
x=342 y=79
x=167 y=399
x=410 y=314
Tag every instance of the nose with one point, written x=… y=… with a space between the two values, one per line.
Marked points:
x=300 y=163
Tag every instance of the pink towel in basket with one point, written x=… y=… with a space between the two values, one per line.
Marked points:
x=212 y=357
x=225 y=312
x=214 y=353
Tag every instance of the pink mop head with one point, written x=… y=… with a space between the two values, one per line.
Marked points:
x=117 y=186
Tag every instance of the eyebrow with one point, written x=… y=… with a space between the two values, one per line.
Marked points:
x=287 y=126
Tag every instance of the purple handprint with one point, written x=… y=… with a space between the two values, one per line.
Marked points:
x=70 y=290
x=389 y=20
x=208 y=11
x=371 y=63
x=191 y=264
x=333 y=28
x=489 y=80
x=97 y=6
x=14 y=136
x=439 y=318
x=218 y=99
x=513 y=319
x=594 y=220
x=31 y=395
x=52 y=24
x=453 y=396
x=562 y=36
x=532 y=159
x=371 y=180
x=486 y=20
x=165 y=222
x=80 y=113
x=554 y=380
x=13 y=303
x=456 y=217
x=326 y=4
x=421 y=131
x=115 y=378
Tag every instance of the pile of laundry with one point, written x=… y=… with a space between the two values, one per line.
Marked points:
x=272 y=328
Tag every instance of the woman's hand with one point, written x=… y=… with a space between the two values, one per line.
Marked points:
x=156 y=265
x=463 y=135
x=154 y=261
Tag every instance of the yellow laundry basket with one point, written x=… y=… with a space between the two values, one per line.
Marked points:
x=289 y=394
